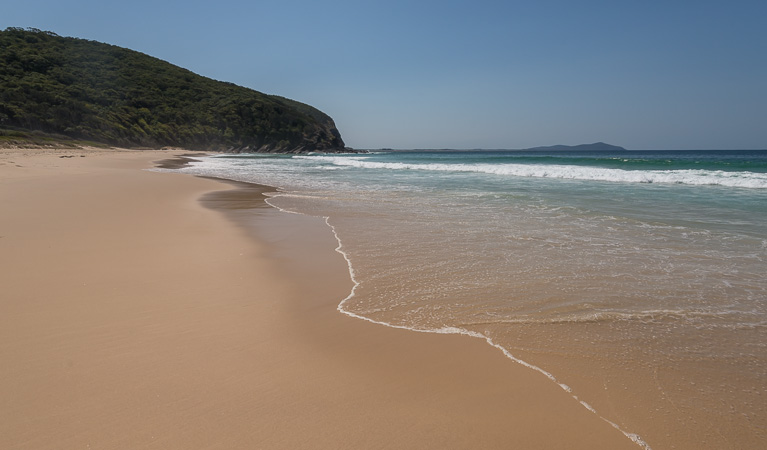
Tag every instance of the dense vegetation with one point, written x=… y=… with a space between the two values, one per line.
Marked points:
x=99 y=92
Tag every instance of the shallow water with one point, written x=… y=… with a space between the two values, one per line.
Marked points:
x=634 y=279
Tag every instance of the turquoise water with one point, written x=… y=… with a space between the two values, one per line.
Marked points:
x=650 y=265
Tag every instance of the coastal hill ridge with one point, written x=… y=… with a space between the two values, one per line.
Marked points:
x=595 y=147
x=74 y=88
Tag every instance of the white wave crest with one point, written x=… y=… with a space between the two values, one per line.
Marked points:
x=751 y=180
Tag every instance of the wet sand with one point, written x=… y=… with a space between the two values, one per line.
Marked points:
x=154 y=310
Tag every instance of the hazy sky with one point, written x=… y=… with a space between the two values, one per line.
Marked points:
x=465 y=73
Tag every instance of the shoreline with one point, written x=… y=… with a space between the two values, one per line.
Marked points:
x=259 y=190
x=242 y=345
x=635 y=438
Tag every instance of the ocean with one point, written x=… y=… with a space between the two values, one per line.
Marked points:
x=636 y=280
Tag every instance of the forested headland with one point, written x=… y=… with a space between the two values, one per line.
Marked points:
x=79 y=89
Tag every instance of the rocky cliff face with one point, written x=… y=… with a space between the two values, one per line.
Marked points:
x=322 y=136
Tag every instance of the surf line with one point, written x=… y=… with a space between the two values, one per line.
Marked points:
x=450 y=330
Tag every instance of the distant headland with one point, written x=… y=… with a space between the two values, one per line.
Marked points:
x=62 y=89
x=595 y=147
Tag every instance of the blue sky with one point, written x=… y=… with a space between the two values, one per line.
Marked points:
x=465 y=74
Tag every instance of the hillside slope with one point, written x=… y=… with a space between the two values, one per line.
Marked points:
x=99 y=92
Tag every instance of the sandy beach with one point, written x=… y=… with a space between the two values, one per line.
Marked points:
x=162 y=311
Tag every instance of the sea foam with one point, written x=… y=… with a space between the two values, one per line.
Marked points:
x=750 y=180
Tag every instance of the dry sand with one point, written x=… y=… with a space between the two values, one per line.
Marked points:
x=132 y=317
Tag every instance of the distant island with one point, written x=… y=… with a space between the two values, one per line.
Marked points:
x=595 y=147
x=55 y=88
